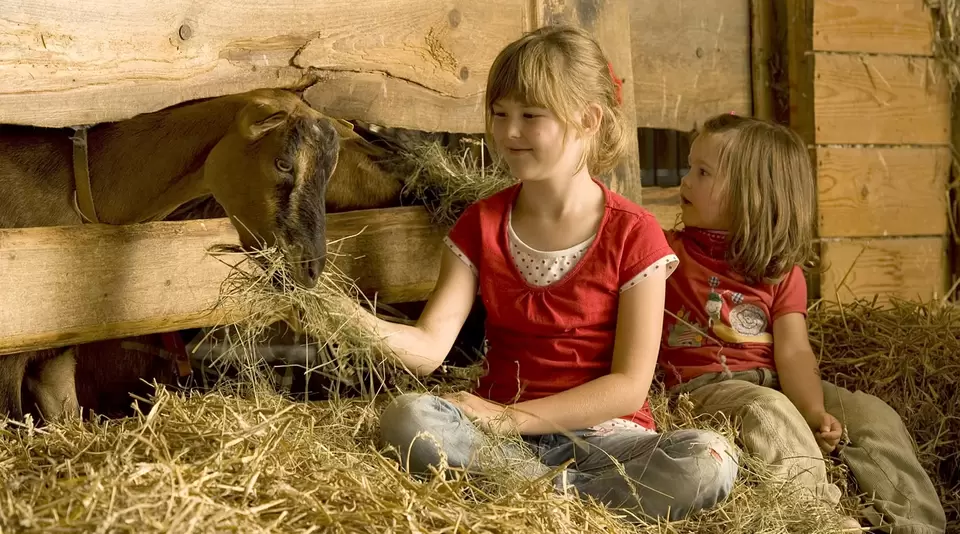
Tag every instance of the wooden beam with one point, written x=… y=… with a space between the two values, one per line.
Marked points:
x=880 y=100
x=67 y=285
x=873 y=192
x=65 y=63
x=691 y=60
x=609 y=22
x=913 y=268
x=873 y=26
x=797 y=16
x=763 y=29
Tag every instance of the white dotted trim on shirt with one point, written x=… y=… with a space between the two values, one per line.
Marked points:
x=618 y=424
x=542 y=268
x=668 y=263
x=463 y=257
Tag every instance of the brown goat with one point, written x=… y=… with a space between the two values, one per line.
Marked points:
x=269 y=161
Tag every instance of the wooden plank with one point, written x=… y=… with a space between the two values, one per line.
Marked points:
x=664 y=204
x=880 y=100
x=67 y=285
x=609 y=23
x=873 y=26
x=913 y=268
x=691 y=60
x=870 y=192
x=66 y=63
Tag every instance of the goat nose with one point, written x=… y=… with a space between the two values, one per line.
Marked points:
x=314 y=268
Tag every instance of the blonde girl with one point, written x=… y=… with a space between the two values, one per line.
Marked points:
x=735 y=335
x=572 y=276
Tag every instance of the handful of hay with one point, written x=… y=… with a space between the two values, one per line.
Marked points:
x=909 y=356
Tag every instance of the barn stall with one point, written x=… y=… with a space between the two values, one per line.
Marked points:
x=857 y=78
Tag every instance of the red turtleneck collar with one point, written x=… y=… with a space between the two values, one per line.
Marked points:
x=711 y=243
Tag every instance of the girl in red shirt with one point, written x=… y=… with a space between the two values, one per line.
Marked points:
x=572 y=277
x=735 y=335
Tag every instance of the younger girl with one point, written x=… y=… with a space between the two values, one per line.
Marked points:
x=572 y=277
x=735 y=335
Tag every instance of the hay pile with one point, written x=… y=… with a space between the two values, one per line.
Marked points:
x=908 y=354
x=262 y=463
x=242 y=457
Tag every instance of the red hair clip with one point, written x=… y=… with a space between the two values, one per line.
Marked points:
x=618 y=83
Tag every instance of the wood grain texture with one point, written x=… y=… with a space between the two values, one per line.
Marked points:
x=691 y=60
x=67 y=63
x=871 y=192
x=67 y=285
x=913 y=268
x=874 y=26
x=664 y=204
x=880 y=100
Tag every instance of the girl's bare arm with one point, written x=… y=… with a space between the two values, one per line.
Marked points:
x=797 y=367
x=422 y=347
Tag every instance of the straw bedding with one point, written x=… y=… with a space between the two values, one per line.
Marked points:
x=243 y=457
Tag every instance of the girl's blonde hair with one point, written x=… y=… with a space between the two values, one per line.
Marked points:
x=563 y=69
x=770 y=196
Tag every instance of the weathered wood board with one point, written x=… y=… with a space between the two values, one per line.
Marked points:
x=872 y=192
x=664 y=204
x=691 y=60
x=67 y=285
x=880 y=100
x=910 y=268
x=873 y=26
x=402 y=64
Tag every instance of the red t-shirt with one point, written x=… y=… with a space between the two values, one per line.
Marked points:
x=722 y=319
x=546 y=339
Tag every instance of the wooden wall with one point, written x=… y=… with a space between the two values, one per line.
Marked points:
x=418 y=64
x=872 y=102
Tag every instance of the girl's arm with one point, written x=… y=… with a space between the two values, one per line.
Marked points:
x=797 y=367
x=625 y=389
x=800 y=378
x=422 y=347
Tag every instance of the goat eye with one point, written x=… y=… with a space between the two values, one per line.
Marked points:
x=283 y=165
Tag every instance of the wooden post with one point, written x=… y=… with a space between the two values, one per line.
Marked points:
x=609 y=21
x=761 y=49
x=797 y=15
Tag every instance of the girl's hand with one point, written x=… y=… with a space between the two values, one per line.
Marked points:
x=492 y=417
x=828 y=432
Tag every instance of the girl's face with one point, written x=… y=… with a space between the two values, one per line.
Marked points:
x=701 y=197
x=533 y=142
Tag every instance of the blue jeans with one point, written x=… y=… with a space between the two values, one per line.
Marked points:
x=667 y=475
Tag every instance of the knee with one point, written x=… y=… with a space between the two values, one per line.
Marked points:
x=405 y=417
x=406 y=426
x=712 y=465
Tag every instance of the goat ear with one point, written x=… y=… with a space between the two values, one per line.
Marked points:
x=257 y=119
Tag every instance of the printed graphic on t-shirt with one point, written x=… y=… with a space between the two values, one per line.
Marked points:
x=744 y=322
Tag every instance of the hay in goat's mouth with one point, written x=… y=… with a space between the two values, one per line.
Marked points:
x=447 y=182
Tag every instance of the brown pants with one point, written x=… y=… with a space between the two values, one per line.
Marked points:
x=881 y=453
